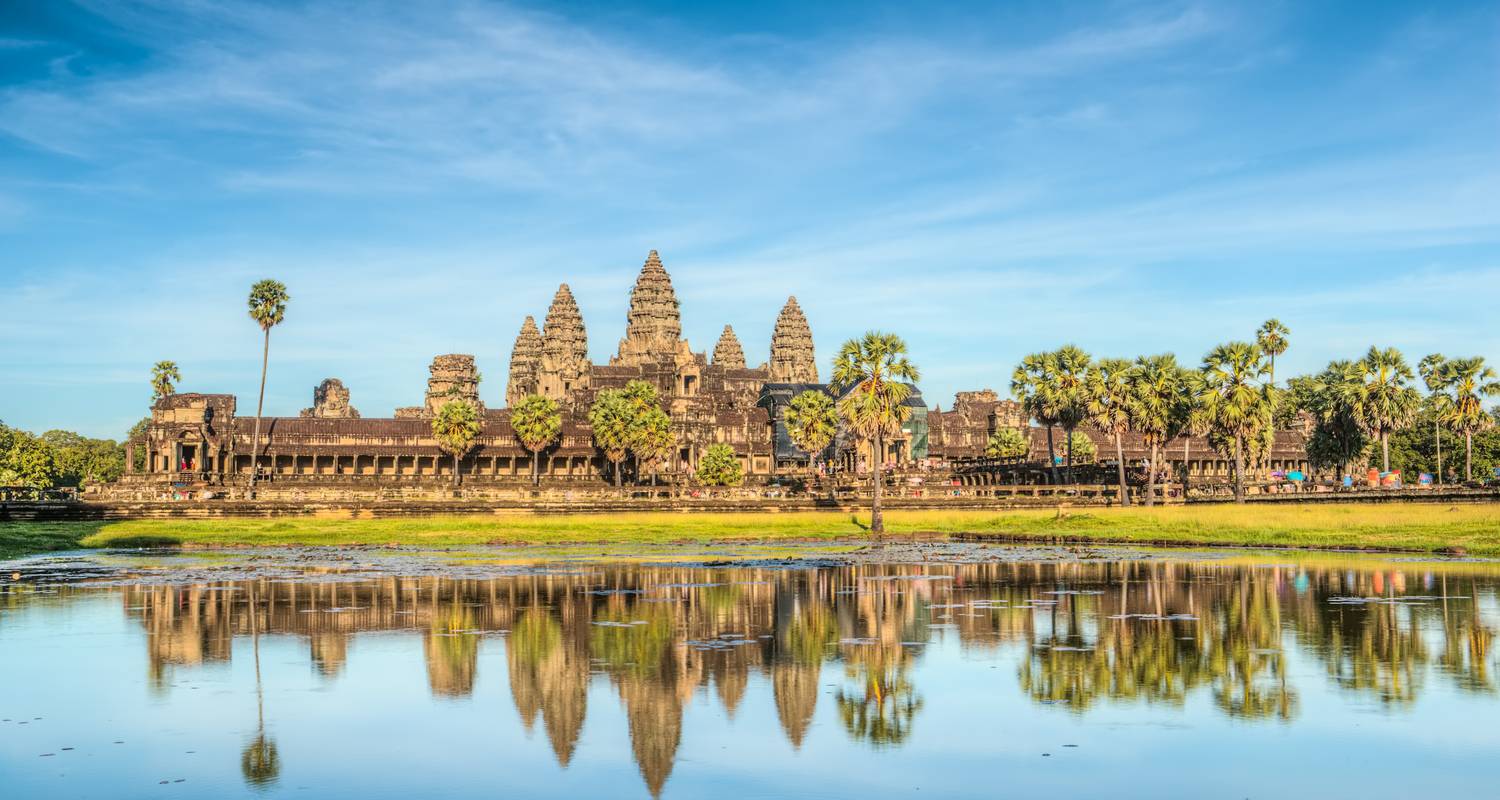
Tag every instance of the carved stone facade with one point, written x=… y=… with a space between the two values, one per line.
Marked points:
x=525 y=363
x=792 y=357
x=331 y=401
x=565 y=347
x=728 y=353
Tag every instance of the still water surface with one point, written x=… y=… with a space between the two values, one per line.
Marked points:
x=1034 y=675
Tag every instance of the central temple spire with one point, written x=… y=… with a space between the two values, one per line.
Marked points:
x=565 y=347
x=653 y=326
x=792 y=357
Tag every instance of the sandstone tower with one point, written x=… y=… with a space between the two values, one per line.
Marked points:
x=653 y=325
x=453 y=376
x=792 y=357
x=331 y=401
x=565 y=348
x=728 y=353
x=525 y=363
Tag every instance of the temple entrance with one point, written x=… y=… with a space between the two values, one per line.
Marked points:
x=187 y=457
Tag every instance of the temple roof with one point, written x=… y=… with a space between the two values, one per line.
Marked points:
x=728 y=353
x=792 y=356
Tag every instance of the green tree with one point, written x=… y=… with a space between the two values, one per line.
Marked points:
x=1235 y=402
x=164 y=378
x=268 y=299
x=1271 y=338
x=1070 y=377
x=1157 y=398
x=811 y=422
x=1332 y=397
x=1435 y=376
x=1471 y=380
x=1109 y=403
x=1083 y=447
x=82 y=461
x=456 y=426
x=1031 y=385
x=537 y=422
x=873 y=377
x=1008 y=443
x=719 y=467
x=612 y=418
x=137 y=433
x=652 y=439
x=26 y=460
x=1384 y=402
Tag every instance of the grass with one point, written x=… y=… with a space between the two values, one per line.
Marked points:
x=1422 y=528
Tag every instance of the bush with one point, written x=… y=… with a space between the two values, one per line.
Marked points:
x=719 y=467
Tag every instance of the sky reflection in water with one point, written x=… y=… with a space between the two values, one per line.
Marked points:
x=1142 y=678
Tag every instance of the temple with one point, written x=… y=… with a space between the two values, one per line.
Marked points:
x=200 y=444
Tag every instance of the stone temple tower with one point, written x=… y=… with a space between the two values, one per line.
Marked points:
x=565 y=348
x=792 y=357
x=525 y=363
x=653 y=326
x=728 y=353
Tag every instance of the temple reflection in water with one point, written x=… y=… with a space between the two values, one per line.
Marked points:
x=1082 y=634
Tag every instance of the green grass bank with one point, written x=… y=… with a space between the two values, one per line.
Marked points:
x=1418 y=528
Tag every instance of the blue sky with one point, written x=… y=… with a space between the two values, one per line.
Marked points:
x=985 y=179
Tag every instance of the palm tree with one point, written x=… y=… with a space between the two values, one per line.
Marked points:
x=873 y=376
x=811 y=423
x=537 y=422
x=455 y=426
x=1471 y=380
x=1333 y=397
x=1386 y=404
x=1069 y=374
x=652 y=439
x=268 y=299
x=1156 y=386
x=1434 y=371
x=612 y=417
x=643 y=398
x=164 y=378
x=1271 y=337
x=1008 y=443
x=1031 y=386
x=1107 y=393
x=1236 y=404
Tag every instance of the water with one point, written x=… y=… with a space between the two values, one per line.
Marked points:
x=989 y=673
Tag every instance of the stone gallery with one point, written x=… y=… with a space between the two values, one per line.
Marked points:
x=202 y=441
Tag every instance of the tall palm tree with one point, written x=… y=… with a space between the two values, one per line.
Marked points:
x=164 y=378
x=1069 y=375
x=1108 y=401
x=456 y=426
x=1271 y=338
x=1236 y=404
x=1434 y=371
x=1386 y=404
x=1031 y=386
x=873 y=376
x=1156 y=387
x=612 y=417
x=537 y=422
x=268 y=299
x=652 y=439
x=811 y=423
x=260 y=762
x=1471 y=380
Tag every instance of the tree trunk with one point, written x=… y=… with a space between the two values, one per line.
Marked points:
x=1239 y=471
x=1051 y=456
x=619 y=474
x=1385 y=451
x=877 y=523
x=1187 y=444
x=1120 y=468
x=1068 y=468
x=1437 y=434
x=265 y=357
x=1468 y=456
x=536 y=474
x=1151 y=478
x=455 y=470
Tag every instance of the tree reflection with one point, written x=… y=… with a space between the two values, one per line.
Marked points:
x=1080 y=634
